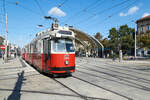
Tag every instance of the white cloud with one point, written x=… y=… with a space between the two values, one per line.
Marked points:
x=145 y=14
x=56 y=12
x=122 y=14
x=133 y=10
x=130 y=11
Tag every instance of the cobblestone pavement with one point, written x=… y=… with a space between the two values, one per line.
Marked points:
x=94 y=79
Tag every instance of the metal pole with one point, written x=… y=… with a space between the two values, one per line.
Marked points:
x=135 y=42
x=5 y=57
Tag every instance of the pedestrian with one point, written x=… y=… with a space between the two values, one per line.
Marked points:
x=120 y=55
x=15 y=54
x=3 y=55
x=94 y=55
x=114 y=57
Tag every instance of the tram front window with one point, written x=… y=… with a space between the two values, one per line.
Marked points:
x=63 y=45
x=69 y=46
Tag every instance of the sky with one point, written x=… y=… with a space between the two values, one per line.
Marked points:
x=90 y=16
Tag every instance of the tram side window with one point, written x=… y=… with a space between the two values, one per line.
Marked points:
x=45 y=48
x=34 y=47
x=27 y=49
x=38 y=45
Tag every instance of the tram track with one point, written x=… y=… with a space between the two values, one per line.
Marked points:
x=78 y=94
x=125 y=68
x=134 y=78
x=127 y=84
x=128 y=98
x=122 y=73
x=122 y=78
x=120 y=67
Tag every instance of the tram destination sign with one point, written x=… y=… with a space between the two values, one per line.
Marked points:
x=65 y=32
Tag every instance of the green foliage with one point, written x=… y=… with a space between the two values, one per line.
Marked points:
x=143 y=40
x=121 y=39
x=105 y=42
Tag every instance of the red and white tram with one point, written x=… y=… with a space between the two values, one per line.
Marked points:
x=52 y=51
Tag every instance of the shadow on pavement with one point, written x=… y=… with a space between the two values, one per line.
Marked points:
x=15 y=95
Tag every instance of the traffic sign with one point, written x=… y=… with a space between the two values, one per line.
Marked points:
x=2 y=47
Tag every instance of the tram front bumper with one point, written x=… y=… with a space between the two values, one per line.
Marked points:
x=62 y=69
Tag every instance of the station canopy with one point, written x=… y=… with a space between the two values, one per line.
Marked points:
x=85 y=39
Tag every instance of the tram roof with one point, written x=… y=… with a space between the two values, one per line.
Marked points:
x=53 y=33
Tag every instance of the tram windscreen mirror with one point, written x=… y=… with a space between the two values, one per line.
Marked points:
x=65 y=32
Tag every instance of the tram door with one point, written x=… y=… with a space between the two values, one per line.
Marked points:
x=46 y=53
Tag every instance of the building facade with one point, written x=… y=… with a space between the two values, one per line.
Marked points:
x=143 y=28
x=143 y=25
x=1 y=40
x=1 y=43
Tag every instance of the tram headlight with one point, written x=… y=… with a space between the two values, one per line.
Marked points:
x=66 y=62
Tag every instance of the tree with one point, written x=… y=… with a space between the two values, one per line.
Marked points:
x=126 y=38
x=143 y=41
x=98 y=36
x=121 y=39
x=113 y=39
x=105 y=42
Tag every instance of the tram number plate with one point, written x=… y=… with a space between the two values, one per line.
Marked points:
x=66 y=56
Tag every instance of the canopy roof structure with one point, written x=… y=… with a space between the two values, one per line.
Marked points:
x=87 y=41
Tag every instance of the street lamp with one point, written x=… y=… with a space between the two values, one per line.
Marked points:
x=134 y=40
x=135 y=43
x=52 y=18
x=40 y=26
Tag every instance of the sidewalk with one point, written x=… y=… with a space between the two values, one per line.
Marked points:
x=1 y=61
x=12 y=76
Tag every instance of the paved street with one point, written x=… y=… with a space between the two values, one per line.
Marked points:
x=94 y=79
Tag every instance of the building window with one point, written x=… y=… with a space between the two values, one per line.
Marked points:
x=142 y=29
x=148 y=27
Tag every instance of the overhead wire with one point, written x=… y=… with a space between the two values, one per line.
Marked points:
x=22 y=6
x=60 y=5
x=1 y=18
x=110 y=16
x=41 y=9
x=83 y=10
x=103 y=11
x=4 y=8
